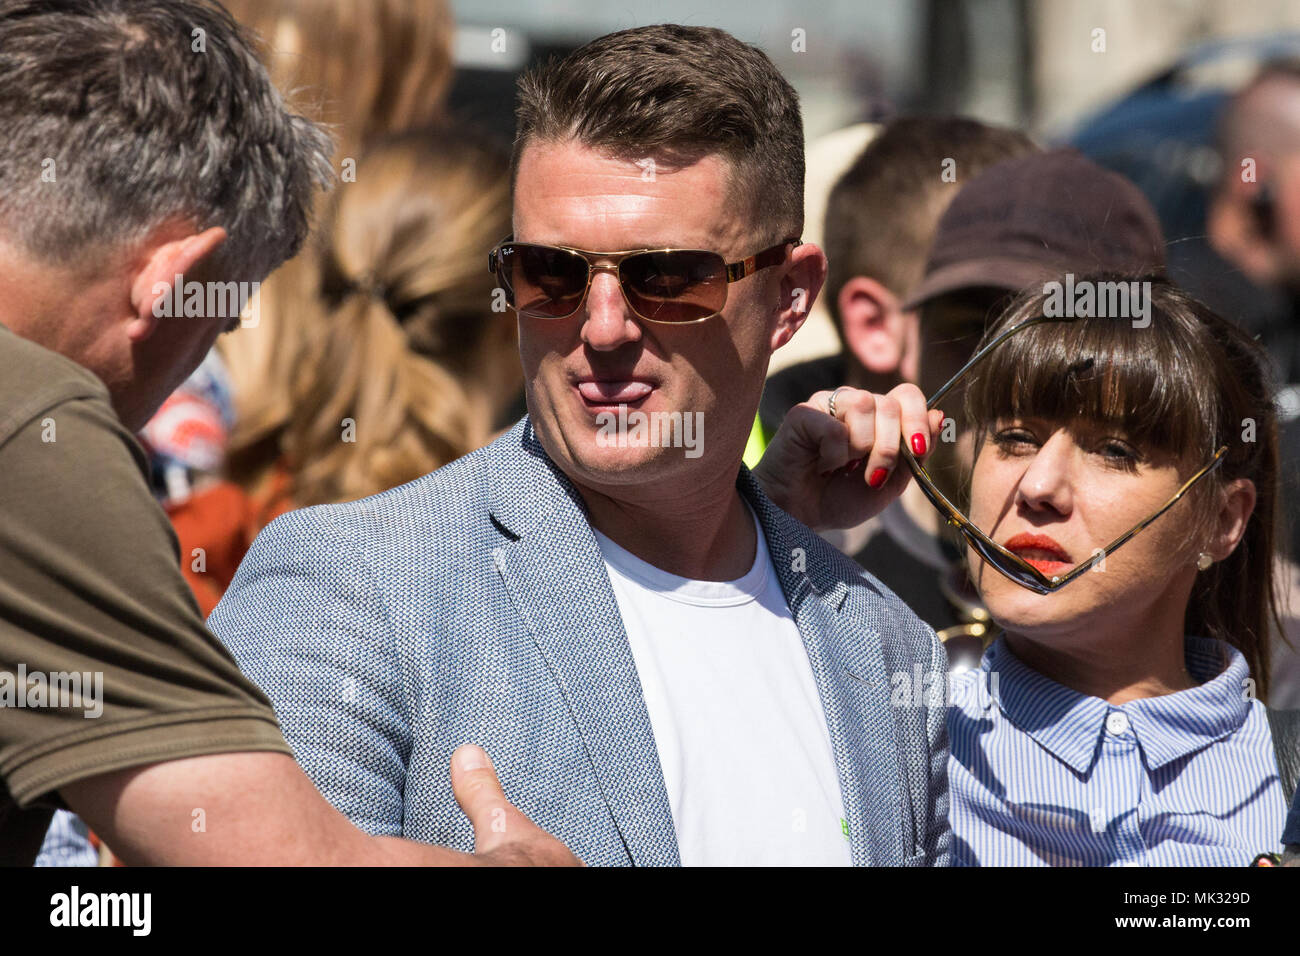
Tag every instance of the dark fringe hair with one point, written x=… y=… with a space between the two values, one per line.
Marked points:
x=1184 y=385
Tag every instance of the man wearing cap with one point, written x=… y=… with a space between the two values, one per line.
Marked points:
x=1020 y=223
x=880 y=221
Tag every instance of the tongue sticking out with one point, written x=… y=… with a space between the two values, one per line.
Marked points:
x=614 y=392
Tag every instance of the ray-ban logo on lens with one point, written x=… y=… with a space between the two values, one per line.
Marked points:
x=637 y=429
x=1103 y=300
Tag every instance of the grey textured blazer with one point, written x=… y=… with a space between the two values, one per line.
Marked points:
x=473 y=606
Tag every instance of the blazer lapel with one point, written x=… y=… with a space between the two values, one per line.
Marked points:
x=849 y=668
x=557 y=580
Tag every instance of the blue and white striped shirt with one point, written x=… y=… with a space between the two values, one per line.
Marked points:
x=67 y=843
x=1042 y=775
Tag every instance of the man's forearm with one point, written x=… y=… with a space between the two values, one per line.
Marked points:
x=260 y=809
x=237 y=809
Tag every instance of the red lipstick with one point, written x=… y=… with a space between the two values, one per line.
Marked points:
x=1041 y=551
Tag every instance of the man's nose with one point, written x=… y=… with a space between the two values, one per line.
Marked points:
x=1047 y=482
x=609 y=323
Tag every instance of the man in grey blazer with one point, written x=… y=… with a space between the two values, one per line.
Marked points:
x=664 y=666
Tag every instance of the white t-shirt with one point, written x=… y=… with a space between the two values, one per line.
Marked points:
x=742 y=737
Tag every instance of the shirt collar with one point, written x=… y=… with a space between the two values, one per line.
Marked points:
x=1174 y=725
x=1069 y=724
x=1063 y=721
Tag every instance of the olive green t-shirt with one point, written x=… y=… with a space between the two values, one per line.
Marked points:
x=105 y=662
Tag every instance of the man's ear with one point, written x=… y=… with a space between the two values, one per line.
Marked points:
x=804 y=277
x=876 y=329
x=1235 y=508
x=162 y=265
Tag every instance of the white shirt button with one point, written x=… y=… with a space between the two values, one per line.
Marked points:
x=1117 y=722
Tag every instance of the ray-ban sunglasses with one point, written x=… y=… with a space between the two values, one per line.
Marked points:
x=659 y=285
x=1009 y=564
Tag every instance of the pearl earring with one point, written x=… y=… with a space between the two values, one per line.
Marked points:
x=1203 y=561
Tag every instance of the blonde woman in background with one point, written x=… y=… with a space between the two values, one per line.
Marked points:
x=403 y=364
x=367 y=70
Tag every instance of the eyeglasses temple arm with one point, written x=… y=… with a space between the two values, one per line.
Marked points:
x=979 y=357
x=760 y=260
x=969 y=531
x=1142 y=525
x=963 y=524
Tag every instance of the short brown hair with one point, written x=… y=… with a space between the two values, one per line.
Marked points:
x=882 y=213
x=676 y=94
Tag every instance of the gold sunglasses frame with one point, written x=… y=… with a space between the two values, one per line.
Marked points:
x=1010 y=565
x=734 y=271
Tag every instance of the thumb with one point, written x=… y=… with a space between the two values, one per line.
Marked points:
x=936 y=422
x=478 y=791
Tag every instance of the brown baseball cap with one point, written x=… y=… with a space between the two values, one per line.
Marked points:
x=1030 y=219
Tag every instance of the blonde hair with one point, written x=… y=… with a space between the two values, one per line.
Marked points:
x=393 y=312
x=364 y=68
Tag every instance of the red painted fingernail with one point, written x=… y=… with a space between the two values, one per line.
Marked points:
x=918 y=444
x=853 y=465
x=878 y=477
x=827 y=474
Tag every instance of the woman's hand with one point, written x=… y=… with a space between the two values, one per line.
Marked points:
x=838 y=472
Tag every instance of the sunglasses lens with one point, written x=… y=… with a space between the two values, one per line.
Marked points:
x=542 y=281
x=972 y=537
x=999 y=561
x=678 y=286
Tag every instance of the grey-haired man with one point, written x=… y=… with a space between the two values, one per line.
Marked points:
x=143 y=141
